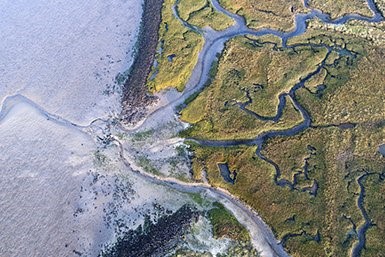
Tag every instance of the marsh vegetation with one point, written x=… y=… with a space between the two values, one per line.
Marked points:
x=300 y=122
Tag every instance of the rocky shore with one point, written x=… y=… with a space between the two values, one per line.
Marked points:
x=154 y=239
x=135 y=93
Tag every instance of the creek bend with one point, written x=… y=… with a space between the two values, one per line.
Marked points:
x=214 y=42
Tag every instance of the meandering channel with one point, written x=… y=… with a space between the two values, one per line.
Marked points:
x=361 y=230
x=214 y=45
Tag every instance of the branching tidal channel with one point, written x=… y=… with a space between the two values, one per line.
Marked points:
x=214 y=45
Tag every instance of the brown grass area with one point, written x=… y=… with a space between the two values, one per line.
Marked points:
x=276 y=14
x=338 y=8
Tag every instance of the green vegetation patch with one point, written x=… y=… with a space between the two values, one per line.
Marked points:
x=375 y=204
x=351 y=90
x=201 y=13
x=284 y=210
x=256 y=72
x=179 y=46
x=311 y=200
x=143 y=135
x=178 y=52
x=226 y=225
x=147 y=166
x=309 y=224
x=318 y=214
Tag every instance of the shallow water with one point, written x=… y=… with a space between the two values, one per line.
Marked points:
x=381 y=149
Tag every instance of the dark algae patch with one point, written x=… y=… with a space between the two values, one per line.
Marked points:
x=153 y=239
x=168 y=235
x=136 y=96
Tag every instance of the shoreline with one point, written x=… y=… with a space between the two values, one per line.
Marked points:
x=136 y=97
